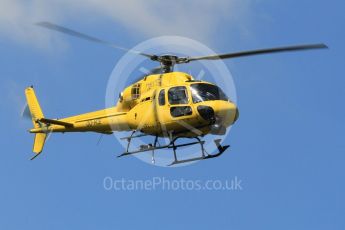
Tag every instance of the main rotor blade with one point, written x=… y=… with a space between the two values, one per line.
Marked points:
x=260 y=52
x=74 y=33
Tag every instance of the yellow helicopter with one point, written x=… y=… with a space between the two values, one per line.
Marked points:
x=163 y=104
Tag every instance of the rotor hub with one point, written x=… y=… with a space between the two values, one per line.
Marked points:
x=167 y=62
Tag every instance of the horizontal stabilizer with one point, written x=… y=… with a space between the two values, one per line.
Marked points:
x=55 y=122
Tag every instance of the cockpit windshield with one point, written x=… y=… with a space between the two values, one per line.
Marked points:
x=206 y=92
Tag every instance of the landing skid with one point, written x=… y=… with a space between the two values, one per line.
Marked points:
x=172 y=145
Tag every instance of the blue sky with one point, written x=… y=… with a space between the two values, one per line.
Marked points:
x=287 y=147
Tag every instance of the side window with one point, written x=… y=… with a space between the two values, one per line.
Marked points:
x=161 y=97
x=177 y=95
x=135 y=91
x=179 y=111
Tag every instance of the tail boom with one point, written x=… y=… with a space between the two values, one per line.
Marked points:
x=102 y=121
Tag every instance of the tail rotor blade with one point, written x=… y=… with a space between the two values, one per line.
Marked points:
x=48 y=136
x=26 y=112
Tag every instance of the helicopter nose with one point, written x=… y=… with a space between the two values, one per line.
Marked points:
x=237 y=115
x=226 y=112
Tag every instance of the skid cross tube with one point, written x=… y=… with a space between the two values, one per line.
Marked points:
x=149 y=148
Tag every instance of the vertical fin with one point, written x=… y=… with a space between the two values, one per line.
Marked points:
x=34 y=106
x=39 y=141
x=36 y=115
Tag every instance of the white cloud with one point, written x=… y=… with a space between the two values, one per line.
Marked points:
x=17 y=17
x=200 y=20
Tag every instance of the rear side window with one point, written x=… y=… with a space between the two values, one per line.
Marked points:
x=135 y=91
x=161 y=97
x=177 y=95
